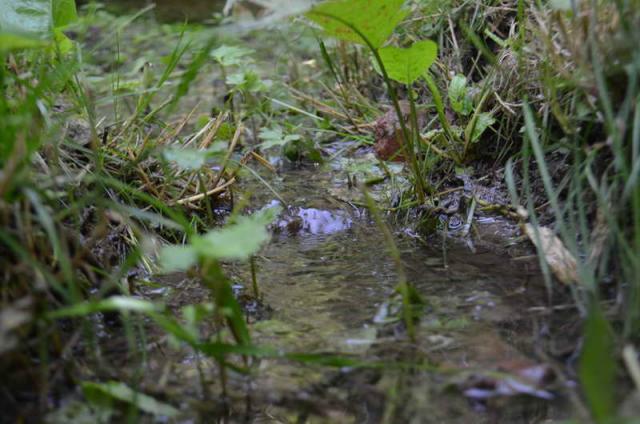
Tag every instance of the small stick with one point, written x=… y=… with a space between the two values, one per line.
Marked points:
x=201 y=196
x=214 y=130
x=225 y=161
x=263 y=161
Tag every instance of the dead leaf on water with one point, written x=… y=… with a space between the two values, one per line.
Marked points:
x=562 y=262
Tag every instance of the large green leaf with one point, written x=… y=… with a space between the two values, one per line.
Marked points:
x=15 y=41
x=375 y=19
x=63 y=12
x=407 y=65
x=177 y=258
x=236 y=241
x=24 y=20
x=26 y=17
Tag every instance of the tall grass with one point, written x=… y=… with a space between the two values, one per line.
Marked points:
x=593 y=109
x=593 y=114
x=83 y=206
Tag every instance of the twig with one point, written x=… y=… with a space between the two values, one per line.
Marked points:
x=211 y=192
x=225 y=161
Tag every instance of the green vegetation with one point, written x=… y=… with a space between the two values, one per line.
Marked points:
x=131 y=150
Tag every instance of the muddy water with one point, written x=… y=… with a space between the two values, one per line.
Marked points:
x=328 y=286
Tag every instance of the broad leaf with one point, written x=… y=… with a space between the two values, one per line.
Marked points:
x=236 y=241
x=230 y=55
x=407 y=65
x=483 y=121
x=191 y=159
x=177 y=258
x=273 y=137
x=28 y=18
x=247 y=81
x=375 y=19
x=22 y=20
x=101 y=393
x=63 y=12
x=15 y=41
x=458 y=95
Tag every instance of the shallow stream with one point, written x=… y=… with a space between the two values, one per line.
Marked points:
x=328 y=286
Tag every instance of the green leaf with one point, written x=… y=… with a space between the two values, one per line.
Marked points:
x=101 y=393
x=62 y=41
x=458 y=95
x=247 y=81
x=226 y=131
x=235 y=317
x=171 y=326
x=230 y=55
x=64 y=12
x=15 y=42
x=191 y=73
x=375 y=19
x=483 y=121
x=177 y=258
x=27 y=18
x=597 y=365
x=273 y=137
x=191 y=159
x=407 y=65
x=34 y=18
x=238 y=240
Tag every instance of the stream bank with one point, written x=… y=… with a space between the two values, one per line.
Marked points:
x=174 y=135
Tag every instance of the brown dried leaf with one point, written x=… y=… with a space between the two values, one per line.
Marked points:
x=562 y=262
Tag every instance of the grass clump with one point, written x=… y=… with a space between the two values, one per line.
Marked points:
x=85 y=205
